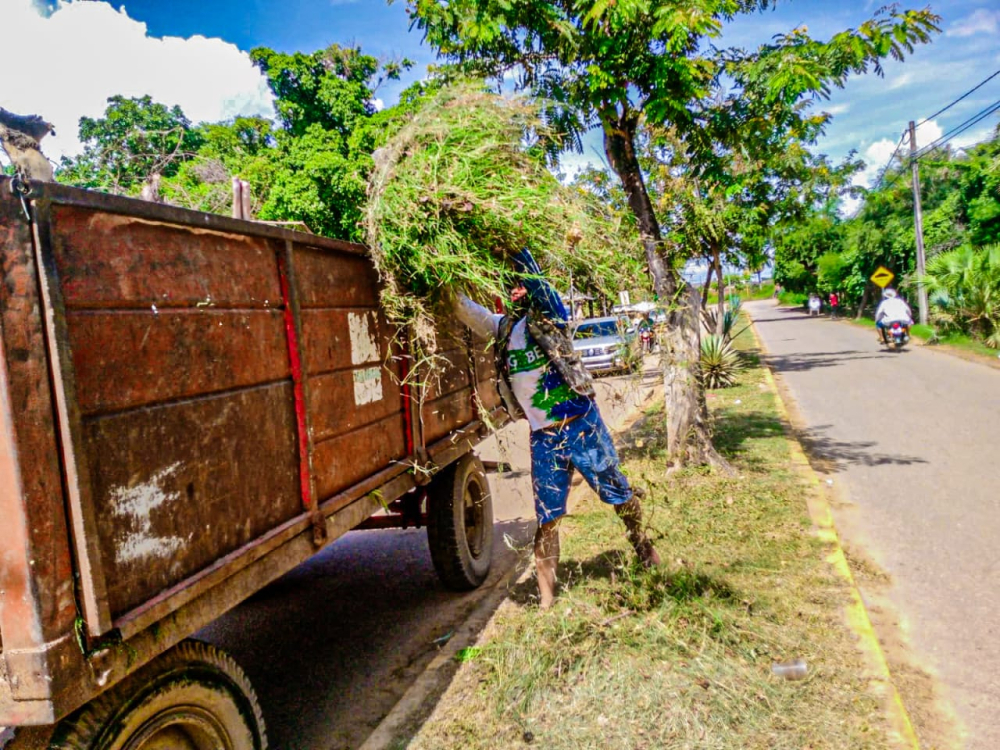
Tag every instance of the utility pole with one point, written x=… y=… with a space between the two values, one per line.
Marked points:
x=918 y=220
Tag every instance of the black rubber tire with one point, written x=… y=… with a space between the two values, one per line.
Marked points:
x=460 y=524
x=193 y=696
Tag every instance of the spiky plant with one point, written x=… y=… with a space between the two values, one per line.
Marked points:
x=964 y=286
x=720 y=362
x=710 y=317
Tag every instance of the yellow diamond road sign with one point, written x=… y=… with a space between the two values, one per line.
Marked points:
x=883 y=276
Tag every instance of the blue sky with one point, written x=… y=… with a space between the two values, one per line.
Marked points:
x=191 y=50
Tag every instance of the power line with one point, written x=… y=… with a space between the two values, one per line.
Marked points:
x=945 y=109
x=959 y=129
x=882 y=172
x=951 y=135
x=944 y=139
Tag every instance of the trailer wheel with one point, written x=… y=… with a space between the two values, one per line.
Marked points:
x=193 y=697
x=460 y=524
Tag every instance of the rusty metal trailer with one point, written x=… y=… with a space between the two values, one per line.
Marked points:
x=190 y=406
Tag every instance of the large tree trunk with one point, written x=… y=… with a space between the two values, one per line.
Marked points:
x=720 y=325
x=689 y=439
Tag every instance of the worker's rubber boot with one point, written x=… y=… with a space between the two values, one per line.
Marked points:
x=631 y=515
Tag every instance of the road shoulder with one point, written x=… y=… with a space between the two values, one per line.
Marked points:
x=916 y=699
x=681 y=655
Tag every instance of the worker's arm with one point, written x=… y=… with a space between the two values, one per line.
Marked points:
x=540 y=292
x=480 y=321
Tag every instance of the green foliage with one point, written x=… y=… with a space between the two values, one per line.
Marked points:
x=136 y=139
x=460 y=187
x=832 y=272
x=720 y=362
x=332 y=88
x=964 y=288
x=619 y=63
x=313 y=169
x=960 y=194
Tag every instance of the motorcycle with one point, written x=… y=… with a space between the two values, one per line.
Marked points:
x=646 y=339
x=896 y=335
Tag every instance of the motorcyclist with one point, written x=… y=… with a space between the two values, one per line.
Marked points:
x=891 y=310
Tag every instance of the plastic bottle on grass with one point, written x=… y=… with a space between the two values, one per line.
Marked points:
x=796 y=669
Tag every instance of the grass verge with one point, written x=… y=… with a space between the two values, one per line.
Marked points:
x=678 y=657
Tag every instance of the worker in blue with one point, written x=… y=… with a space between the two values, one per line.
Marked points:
x=544 y=380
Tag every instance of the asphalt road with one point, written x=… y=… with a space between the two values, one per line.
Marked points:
x=333 y=645
x=912 y=439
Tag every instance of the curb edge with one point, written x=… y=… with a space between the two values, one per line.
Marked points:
x=858 y=618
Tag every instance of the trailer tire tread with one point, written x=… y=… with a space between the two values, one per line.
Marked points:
x=454 y=562
x=93 y=725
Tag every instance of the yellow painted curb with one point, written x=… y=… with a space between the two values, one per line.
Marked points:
x=857 y=615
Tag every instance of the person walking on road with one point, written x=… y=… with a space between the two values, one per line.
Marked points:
x=545 y=381
x=891 y=310
x=834 y=303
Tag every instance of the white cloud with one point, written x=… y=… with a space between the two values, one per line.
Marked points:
x=903 y=79
x=838 y=109
x=83 y=52
x=981 y=21
x=877 y=155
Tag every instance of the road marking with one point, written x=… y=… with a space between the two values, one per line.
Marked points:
x=857 y=615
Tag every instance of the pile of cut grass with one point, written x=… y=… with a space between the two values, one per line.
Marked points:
x=464 y=185
x=679 y=657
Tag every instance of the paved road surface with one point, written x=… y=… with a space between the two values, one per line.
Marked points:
x=332 y=646
x=913 y=437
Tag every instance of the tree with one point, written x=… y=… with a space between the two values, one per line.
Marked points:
x=136 y=140
x=961 y=202
x=326 y=102
x=616 y=64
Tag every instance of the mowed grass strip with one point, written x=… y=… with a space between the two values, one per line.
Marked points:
x=678 y=657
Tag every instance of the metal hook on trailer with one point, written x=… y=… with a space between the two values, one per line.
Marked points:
x=20 y=187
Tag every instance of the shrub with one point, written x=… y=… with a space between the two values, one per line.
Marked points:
x=720 y=362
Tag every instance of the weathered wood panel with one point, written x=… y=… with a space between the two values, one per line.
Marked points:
x=345 y=400
x=181 y=485
x=340 y=339
x=344 y=460
x=333 y=279
x=110 y=260
x=446 y=373
x=126 y=359
x=36 y=567
x=447 y=413
x=486 y=373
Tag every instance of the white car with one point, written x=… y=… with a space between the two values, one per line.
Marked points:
x=605 y=344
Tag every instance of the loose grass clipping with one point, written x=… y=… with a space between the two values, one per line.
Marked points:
x=459 y=188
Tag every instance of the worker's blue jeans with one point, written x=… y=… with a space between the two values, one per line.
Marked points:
x=585 y=445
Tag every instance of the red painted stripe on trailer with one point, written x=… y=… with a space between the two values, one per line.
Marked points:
x=295 y=360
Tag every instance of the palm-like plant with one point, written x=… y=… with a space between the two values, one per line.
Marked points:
x=729 y=318
x=720 y=362
x=964 y=287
